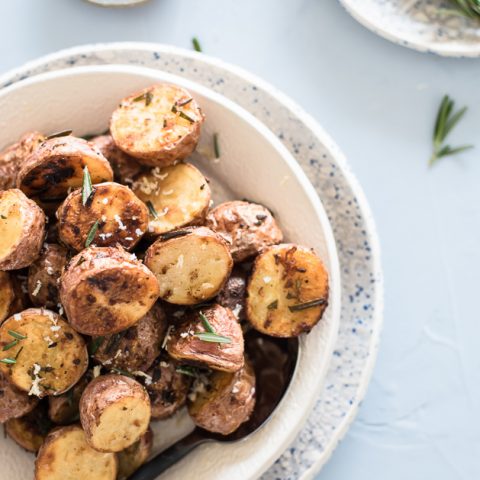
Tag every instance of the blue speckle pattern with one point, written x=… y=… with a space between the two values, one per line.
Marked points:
x=430 y=26
x=353 y=228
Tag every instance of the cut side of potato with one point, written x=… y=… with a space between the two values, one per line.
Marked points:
x=118 y=216
x=132 y=458
x=114 y=412
x=158 y=125
x=134 y=349
x=211 y=337
x=41 y=353
x=7 y=295
x=287 y=292
x=44 y=274
x=177 y=196
x=106 y=290
x=167 y=387
x=226 y=403
x=13 y=402
x=125 y=168
x=191 y=265
x=31 y=430
x=246 y=227
x=66 y=455
x=56 y=167
x=22 y=229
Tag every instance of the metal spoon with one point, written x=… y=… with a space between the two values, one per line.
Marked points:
x=274 y=362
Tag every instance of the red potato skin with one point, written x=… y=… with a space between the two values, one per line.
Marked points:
x=13 y=402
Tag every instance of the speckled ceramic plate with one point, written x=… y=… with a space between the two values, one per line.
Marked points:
x=424 y=25
x=346 y=207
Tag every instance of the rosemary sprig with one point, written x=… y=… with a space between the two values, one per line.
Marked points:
x=174 y=234
x=445 y=122
x=91 y=234
x=151 y=209
x=216 y=146
x=468 y=8
x=196 y=44
x=16 y=335
x=10 y=345
x=310 y=304
x=95 y=344
x=147 y=96
x=8 y=361
x=63 y=133
x=189 y=371
x=87 y=189
x=212 y=337
x=273 y=305
x=206 y=323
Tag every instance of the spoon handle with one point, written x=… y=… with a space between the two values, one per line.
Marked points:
x=164 y=460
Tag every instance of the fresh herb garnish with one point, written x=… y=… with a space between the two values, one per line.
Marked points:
x=445 y=122
x=174 y=234
x=147 y=96
x=3 y=217
x=63 y=133
x=114 y=341
x=189 y=371
x=18 y=353
x=216 y=146
x=185 y=102
x=151 y=209
x=212 y=337
x=273 y=305
x=91 y=234
x=468 y=8
x=123 y=372
x=16 y=335
x=206 y=323
x=8 y=361
x=95 y=344
x=8 y=346
x=186 y=117
x=196 y=44
x=87 y=189
x=304 y=306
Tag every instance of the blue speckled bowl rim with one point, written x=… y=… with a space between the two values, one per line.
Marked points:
x=444 y=49
x=90 y=54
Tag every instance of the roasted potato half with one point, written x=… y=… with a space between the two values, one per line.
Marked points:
x=13 y=402
x=226 y=403
x=7 y=295
x=12 y=158
x=125 y=168
x=211 y=337
x=233 y=294
x=287 y=292
x=159 y=125
x=56 y=167
x=133 y=457
x=66 y=455
x=44 y=276
x=246 y=227
x=168 y=387
x=191 y=265
x=114 y=412
x=134 y=349
x=41 y=353
x=22 y=229
x=30 y=430
x=177 y=196
x=113 y=210
x=64 y=409
x=106 y=290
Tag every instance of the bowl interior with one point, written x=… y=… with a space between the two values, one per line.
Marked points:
x=253 y=164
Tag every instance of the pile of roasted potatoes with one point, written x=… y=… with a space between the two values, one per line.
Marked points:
x=125 y=294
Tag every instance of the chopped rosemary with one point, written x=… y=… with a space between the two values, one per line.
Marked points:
x=446 y=120
x=185 y=102
x=174 y=234
x=95 y=344
x=196 y=44
x=16 y=335
x=151 y=209
x=18 y=353
x=8 y=346
x=189 y=371
x=91 y=234
x=87 y=189
x=3 y=217
x=468 y=8
x=273 y=305
x=123 y=372
x=206 y=323
x=212 y=337
x=186 y=117
x=147 y=96
x=63 y=133
x=304 y=306
x=216 y=146
x=8 y=361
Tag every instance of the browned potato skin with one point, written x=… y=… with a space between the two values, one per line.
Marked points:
x=125 y=168
x=107 y=391
x=106 y=290
x=30 y=430
x=13 y=402
x=233 y=294
x=46 y=271
x=304 y=278
x=227 y=404
x=57 y=166
x=11 y=158
x=186 y=348
x=27 y=247
x=246 y=227
x=64 y=409
x=169 y=388
x=155 y=135
x=76 y=220
x=65 y=455
x=132 y=458
x=137 y=348
x=7 y=295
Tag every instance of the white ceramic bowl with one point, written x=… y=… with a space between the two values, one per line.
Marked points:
x=254 y=164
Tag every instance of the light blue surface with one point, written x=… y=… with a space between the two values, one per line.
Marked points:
x=421 y=417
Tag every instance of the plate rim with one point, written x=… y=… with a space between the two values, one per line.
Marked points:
x=319 y=132
x=423 y=47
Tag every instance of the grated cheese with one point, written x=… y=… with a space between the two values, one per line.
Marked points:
x=37 y=288
x=35 y=388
